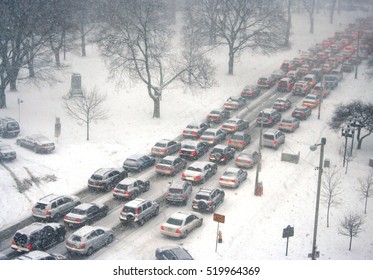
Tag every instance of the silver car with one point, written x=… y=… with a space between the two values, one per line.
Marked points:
x=181 y=223
x=233 y=177
x=179 y=192
x=247 y=159
x=273 y=138
x=88 y=239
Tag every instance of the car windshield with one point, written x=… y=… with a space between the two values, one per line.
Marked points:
x=245 y=155
x=197 y=169
x=202 y=197
x=162 y=145
x=287 y=121
x=311 y=97
x=268 y=136
x=122 y=187
x=264 y=115
x=279 y=101
x=12 y=125
x=214 y=113
x=191 y=126
x=78 y=211
x=166 y=162
x=209 y=133
x=176 y=191
x=217 y=150
x=76 y=238
x=40 y=206
x=229 y=174
x=131 y=162
x=262 y=80
x=173 y=221
x=190 y=147
x=329 y=78
x=237 y=137
x=96 y=177
x=128 y=209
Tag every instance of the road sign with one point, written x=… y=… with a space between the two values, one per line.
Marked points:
x=219 y=218
x=288 y=232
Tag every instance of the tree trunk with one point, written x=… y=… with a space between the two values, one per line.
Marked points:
x=349 y=248
x=82 y=37
x=31 y=69
x=311 y=22
x=332 y=11
x=366 y=204
x=360 y=141
x=157 y=108
x=12 y=83
x=2 y=98
x=57 y=56
x=87 y=130
x=327 y=216
x=231 y=61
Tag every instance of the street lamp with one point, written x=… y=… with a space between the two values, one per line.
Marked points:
x=357 y=53
x=347 y=132
x=313 y=148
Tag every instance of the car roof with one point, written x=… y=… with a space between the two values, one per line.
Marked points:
x=34 y=255
x=268 y=110
x=248 y=151
x=172 y=158
x=164 y=141
x=271 y=131
x=85 y=206
x=177 y=184
x=206 y=191
x=212 y=130
x=128 y=180
x=282 y=99
x=136 y=156
x=180 y=252
x=232 y=169
x=36 y=226
x=48 y=198
x=234 y=119
x=182 y=214
x=199 y=164
x=136 y=202
x=220 y=146
x=191 y=143
x=103 y=171
x=240 y=133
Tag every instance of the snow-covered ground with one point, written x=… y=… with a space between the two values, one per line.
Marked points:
x=253 y=228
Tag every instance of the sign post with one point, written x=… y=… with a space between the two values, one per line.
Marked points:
x=220 y=219
x=286 y=233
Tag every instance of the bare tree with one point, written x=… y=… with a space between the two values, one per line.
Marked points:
x=288 y=22
x=366 y=189
x=351 y=226
x=332 y=9
x=309 y=5
x=331 y=189
x=86 y=109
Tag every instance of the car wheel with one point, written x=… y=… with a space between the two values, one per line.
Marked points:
x=57 y=217
x=90 y=251
x=110 y=239
x=185 y=234
x=35 y=149
x=213 y=208
x=200 y=222
x=134 y=195
x=141 y=222
x=156 y=212
x=184 y=202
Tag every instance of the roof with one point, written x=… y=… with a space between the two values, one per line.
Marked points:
x=128 y=181
x=136 y=156
x=268 y=110
x=199 y=164
x=177 y=184
x=190 y=143
x=34 y=255
x=103 y=171
x=84 y=230
x=31 y=228
x=281 y=99
x=84 y=206
x=207 y=191
x=220 y=146
x=48 y=198
x=180 y=252
x=232 y=169
x=172 y=158
x=136 y=202
x=271 y=131
x=234 y=119
x=164 y=141
x=212 y=130
x=181 y=215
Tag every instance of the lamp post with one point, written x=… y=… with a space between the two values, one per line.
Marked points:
x=357 y=53
x=347 y=132
x=313 y=148
x=19 y=101
x=259 y=165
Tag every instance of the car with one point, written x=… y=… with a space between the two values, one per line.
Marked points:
x=178 y=192
x=247 y=159
x=311 y=100
x=221 y=154
x=53 y=207
x=301 y=112
x=273 y=138
x=295 y=75
x=199 y=172
x=7 y=153
x=268 y=117
x=317 y=72
x=233 y=177
x=172 y=253
x=287 y=65
x=130 y=188
x=195 y=130
x=170 y=165
x=207 y=200
x=250 y=91
x=330 y=81
x=304 y=70
x=326 y=68
x=40 y=255
x=318 y=89
x=301 y=88
x=234 y=102
x=138 y=162
x=234 y=125
x=85 y=214
x=288 y=124
x=239 y=140
x=181 y=223
x=213 y=136
x=297 y=61
x=88 y=239
x=36 y=142
x=311 y=79
x=138 y=211
x=278 y=74
x=282 y=104
x=285 y=84
x=38 y=236
x=347 y=66
x=8 y=127
x=193 y=150
x=165 y=147
x=337 y=72
x=218 y=115
x=266 y=82
x=106 y=178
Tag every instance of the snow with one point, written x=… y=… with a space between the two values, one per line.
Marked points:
x=253 y=227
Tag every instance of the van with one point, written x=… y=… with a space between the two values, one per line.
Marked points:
x=273 y=138
x=337 y=72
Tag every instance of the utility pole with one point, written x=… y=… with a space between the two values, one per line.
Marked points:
x=259 y=165
x=357 y=53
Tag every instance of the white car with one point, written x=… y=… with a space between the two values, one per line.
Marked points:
x=181 y=223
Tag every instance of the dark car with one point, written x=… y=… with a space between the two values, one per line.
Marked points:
x=347 y=66
x=170 y=165
x=301 y=88
x=278 y=74
x=85 y=214
x=213 y=136
x=234 y=125
x=7 y=153
x=268 y=117
x=165 y=147
x=8 y=127
x=250 y=91
x=193 y=150
x=38 y=236
x=106 y=178
x=36 y=142
x=207 y=200
x=234 y=102
x=130 y=188
x=285 y=84
x=137 y=163
x=266 y=82
x=221 y=154
x=282 y=104
x=301 y=112
x=218 y=115
x=195 y=130
x=172 y=253
x=287 y=65
x=239 y=140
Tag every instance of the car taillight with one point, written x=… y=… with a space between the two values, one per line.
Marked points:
x=248 y=161
x=303 y=113
x=183 y=196
x=230 y=142
x=83 y=245
x=47 y=213
x=193 y=153
x=12 y=241
x=169 y=169
x=126 y=193
x=241 y=142
x=180 y=152
x=65 y=217
x=33 y=208
x=194 y=133
x=114 y=190
x=221 y=179
x=178 y=231
x=78 y=220
x=137 y=211
x=168 y=195
x=162 y=227
x=184 y=132
x=274 y=142
x=233 y=181
x=269 y=120
x=182 y=174
x=163 y=150
x=29 y=246
x=198 y=178
x=267 y=83
x=209 y=203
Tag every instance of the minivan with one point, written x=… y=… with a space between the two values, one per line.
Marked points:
x=273 y=138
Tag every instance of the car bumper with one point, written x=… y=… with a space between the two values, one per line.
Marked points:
x=96 y=187
x=244 y=165
x=80 y=251
x=228 y=184
x=19 y=248
x=121 y=195
x=170 y=233
x=207 y=209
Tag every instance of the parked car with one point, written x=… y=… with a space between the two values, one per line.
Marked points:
x=268 y=117
x=199 y=172
x=266 y=82
x=130 y=188
x=221 y=154
x=88 y=239
x=301 y=88
x=172 y=253
x=8 y=127
x=179 y=192
x=282 y=104
x=195 y=130
x=234 y=125
x=165 y=147
x=250 y=91
x=36 y=142
x=7 y=152
x=247 y=159
x=273 y=138
x=193 y=149
x=318 y=89
x=138 y=162
x=53 y=207
x=106 y=178
x=170 y=165
x=233 y=177
x=239 y=140
x=234 y=102
x=311 y=100
x=213 y=136
x=181 y=223
x=330 y=81
x=288 y=124
x=218 y=115
x=38 y=236
x=347 y=66
x=207 y=200
x=40 y=256
x=285 y=84
x=301 y=112
x=138 y=211
x=85 y=214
